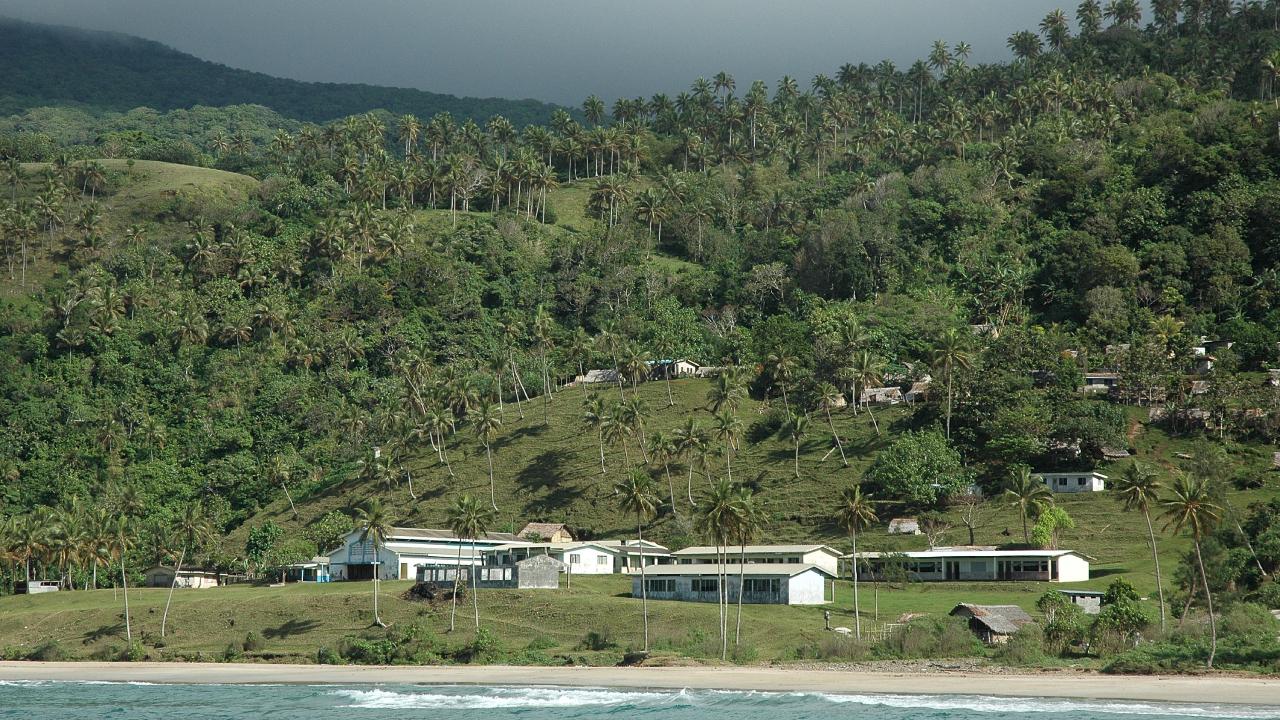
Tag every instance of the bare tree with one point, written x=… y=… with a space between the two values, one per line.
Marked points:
x=973 y=511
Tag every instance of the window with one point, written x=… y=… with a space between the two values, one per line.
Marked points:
x=661 y=585
x=925 y=566
x=705 y=585
x=602 y=559
x=1079 y=481
x=762 y=586
x=574 y=559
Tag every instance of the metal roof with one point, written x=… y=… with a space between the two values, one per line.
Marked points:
x=757 y=550
x=405 y=533
x=788 y=569
x=966 y=553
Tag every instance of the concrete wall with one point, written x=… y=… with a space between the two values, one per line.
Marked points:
x=1072 y=569
x=824 y=560
x=588 y=561
x=1092 y=483
x=807 y=588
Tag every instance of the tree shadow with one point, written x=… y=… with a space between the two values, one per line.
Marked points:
x=1095 y=574
x=545 y=470
x=526 y=431
x=104 y=631
x=291 y=628
x=557 y=499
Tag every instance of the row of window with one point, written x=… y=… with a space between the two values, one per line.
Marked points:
x=1028 y=565
x=710 y=585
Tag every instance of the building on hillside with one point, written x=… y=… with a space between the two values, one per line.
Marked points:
x=198 y=578
x=762 y=584
x=406 y=549
x=1100 y=382
x=822 y=556
x=36 y=587
x=881 y=396
x=1074 y=482
x=591 y=557
x=975 y=563
x=545 y=532
x=994 y=624
x=904 y=526
x=919 y=391
x=672 y=369
x=1090 y=601
x=603 y=375
x=539 y=572
x=314 y=570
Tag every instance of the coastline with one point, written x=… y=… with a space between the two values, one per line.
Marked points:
x=1224 y=689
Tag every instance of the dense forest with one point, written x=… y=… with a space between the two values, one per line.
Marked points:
x=1109 y=200
x=42 y=65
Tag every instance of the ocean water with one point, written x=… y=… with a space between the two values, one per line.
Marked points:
x=40 y=700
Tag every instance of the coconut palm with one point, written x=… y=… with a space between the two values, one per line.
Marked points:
x=794 y=429
x=727 y=429
x=866 y=370
x=636 y=496
x=487 y=423
x=854 y=513
x=662 y=448
x=468 y=519
x=1138 y=488
x=375 y=523
x=596 y=417
x=950 y=353
x=1191 y=507
x=192 y=530
x=1024 y=490
x=120 y=545
x=690 y=440
x=717 y=521
x=830 y=397
x=749 y=524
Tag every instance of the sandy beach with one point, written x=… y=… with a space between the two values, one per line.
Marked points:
x=1215 y=689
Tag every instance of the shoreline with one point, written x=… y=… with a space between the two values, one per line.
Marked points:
x=1215 y=689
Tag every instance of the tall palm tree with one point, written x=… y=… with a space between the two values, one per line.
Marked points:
x=596 y=417
x=854 y=513
x=1024 y=490
x=192 y=531
x=375 y=523
x=750 y=520
x=866 y=370
x=121 y=543
x=487 y=423
x=718 y=522
x=690 y=441
x=468 y=519
x=663 y=449
x=1190 y=506
x=794 y=429
x=950 y=353
x=1138 y=488
x=728 y=428
x=829 y=396
x=636 y=496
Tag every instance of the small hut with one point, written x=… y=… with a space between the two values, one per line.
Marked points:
x=993 y=624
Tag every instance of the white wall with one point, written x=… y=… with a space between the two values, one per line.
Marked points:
x=588 y=561
x=1072 y=569
x=1092 y=483
x=807 y=588
x=824 y=560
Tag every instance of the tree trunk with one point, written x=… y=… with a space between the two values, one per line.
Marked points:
x=1155 y=556
x=124 y=584
x=742 y=585
x=475 y=583
x=1208 y=598
x=493 y=500
x=857 y=611
x=457 y=577
x=644 y=591
x=836 y=435
x=164 y=618
x=291 y=505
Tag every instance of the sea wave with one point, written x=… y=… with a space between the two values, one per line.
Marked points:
x=494 y=698
x=998 y=704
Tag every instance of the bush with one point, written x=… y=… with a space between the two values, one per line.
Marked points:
x=328 y=656
x=932 y=638
x=598 y=639
x=134 y=652
x=835 y=647
x=1025 y=647
x=253 y=642
x=232 y=652
x=49 y=651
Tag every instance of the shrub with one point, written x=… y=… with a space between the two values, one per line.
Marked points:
x=253 y=642
x=328 y=656
x=48 y=651
x=134 y=652
x=932 y=637
x=1025 y=647
x=598 y=639
x=232 y=652
x=835 y=647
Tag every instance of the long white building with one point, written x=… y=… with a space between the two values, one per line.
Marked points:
x=943 y=564
x=587 y=557
x=822 y=556
x=407 y=549
x=763 y=584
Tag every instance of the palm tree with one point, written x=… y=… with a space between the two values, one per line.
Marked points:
x=690 y=440
x=794 y=429
x=278 y=471
x=1191 y=506
x=950 y=352
x=468 y=519
x=121 y=543
x=487 y=424
x=1138 y=489
x=596 y=417
x=854 y=513
x=781 y=367
x=193 y=530
x=829 y=396
x=1024 y=491
x=375 y=522
x=635 y=495
x=663 y=450
x=750 y=522
x=866 y=370
x=728 y=428
x=718 y=522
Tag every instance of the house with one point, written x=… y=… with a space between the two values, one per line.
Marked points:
x=162 y=577
x=1114 y=453
x=1204 y=363
x=994 y=624
x=822 y=556
x=1090 y=601
x=604 y=375
x=407 y=548
x=881 y=396
x=314 y=570
x=596 y=557
x=976 y=563
x=919 y=391
x=539 y=572
x=1072 y=482
x=36 y=587
x=1100 y=382
x=762 y=584
x=904 y=526
x=545 y=532
x=671 y=369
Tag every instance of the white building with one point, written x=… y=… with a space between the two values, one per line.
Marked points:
x=1074 y=482
x=824 y=557
x=162 y=577
x=959 y=563
x=1100 y=382
x=764 y=584
x=630 y=552
x=594 y=557
x=406 y=549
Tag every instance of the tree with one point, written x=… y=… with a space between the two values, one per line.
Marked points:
x=1191 y=507
x=375 y=524
x=636 y=496
x=919 y=468
x=487 y=423
x=468 y=519
x=662 y=448
x=1049 y=521
x=691 y=441
x=950 y=353
x=1024 y=491
x=854 y=511
x=830 y=397
x=866 y=370
x=750 y=522
x=728 y=428
x=717 y=521
x=1138 y=488
x=596 y=417
x=794 y=429
x=192 y=531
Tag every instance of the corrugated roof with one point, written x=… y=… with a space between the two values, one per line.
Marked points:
x=405 y=533
x=1000 y=619
x=961 y=553
x=788 y=569
x=757 y=550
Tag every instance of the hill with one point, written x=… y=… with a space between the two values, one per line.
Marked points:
x=42 y=65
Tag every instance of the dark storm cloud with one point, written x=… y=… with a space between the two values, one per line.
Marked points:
x=557 y=50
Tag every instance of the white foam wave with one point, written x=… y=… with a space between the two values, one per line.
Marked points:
x=994 y=704
x=491 y=698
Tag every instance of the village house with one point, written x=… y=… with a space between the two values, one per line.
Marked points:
x=198 y=578
x=1090 y=601
x=314 y=570
x=993 y=624
x=1073 y=482
x=603 y=375
x=594 y=557
x=976 y=563
x=539 y=572
x=630 y=552
x=904 y=526
x=672 y=369
x=406 y=549
x=36 y=587
x=1100 y=382
x=822 y=556
x=763 y=584
x=919 y=391
x=545 y=532
x=881 y=396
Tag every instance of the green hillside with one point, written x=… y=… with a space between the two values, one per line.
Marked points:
x=42 y=65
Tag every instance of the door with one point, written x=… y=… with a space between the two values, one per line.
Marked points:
x=953 y=569
x=404 y=570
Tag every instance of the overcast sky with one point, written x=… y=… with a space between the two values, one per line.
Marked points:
x=555 y=50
